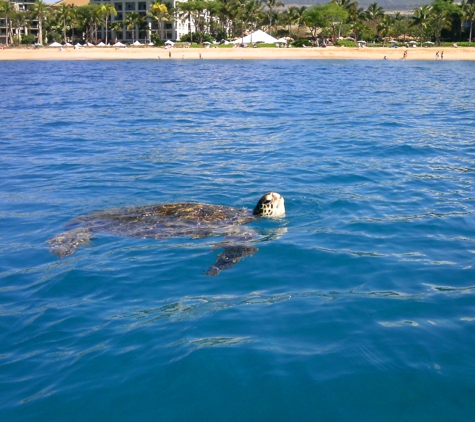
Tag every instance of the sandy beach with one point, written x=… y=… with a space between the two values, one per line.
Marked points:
x=144 y=53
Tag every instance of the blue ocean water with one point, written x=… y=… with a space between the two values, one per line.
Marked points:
x=359 y=304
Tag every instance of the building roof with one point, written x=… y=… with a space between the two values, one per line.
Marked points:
x=71 y=2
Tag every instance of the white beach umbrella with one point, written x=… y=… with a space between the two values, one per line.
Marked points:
x=137 y=43
x=68 y=45
x=282 y=40
x=393 y=41
x=119 y=44
x=169 y=42
x=101 y=44
x=151 y=43
x=428 y=42
x=55 y=44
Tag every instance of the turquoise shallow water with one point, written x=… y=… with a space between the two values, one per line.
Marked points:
x=359 y=305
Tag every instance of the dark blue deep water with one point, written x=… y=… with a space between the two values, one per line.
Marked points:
x=359 y=305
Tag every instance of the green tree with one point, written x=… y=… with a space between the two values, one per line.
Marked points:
x=421 y=18
x=468 y=15
x=300 y=18
x=6 y=11
x=118 y=28
x=40 y=11
x=159 y=13
x=253 y=13
x=385 y=27
x=63 y=14
x=334 y=17
x=107 y=10
x=132 y=20
x=19 y=20
x=271 y=5
x=441 y=17
x=315 y=20
x=374 y=12
x=185 y=12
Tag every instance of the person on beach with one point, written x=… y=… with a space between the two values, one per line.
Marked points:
x=170 y=54
x=405 y=55
x=437 y=55
x=442 y=56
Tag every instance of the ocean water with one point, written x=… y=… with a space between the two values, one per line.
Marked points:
x=359 y=304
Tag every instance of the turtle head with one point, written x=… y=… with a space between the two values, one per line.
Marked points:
x=270 y=205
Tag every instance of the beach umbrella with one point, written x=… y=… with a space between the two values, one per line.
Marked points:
x=393 y=41
x=428 y=42
x=137 y=43
x=412 y=42
x=101 y=44
x=119 y=44
x=169 y=42
x=282 y=40
x=151 y=44
x=68 y=45
x=55 y=44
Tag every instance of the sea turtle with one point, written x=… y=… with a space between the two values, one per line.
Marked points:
x=185 y=219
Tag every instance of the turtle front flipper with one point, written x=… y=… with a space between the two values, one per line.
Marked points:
x=229 y=257
x=66 y=243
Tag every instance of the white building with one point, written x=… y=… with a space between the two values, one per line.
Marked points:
x=170 y=30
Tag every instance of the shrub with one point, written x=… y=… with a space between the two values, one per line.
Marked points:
x=197 y=37
x=301 y=43
x=347 y=43
x=155 y=38
x=28 y=39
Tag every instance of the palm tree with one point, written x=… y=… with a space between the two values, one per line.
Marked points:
x=40 y=12
x=63 y=14
x=18 y=21
x=300 y=18
x=185 y=11
x=74 y=21
x=440 y=17
x=468 y=14
x=350 y=6
x=271 y=5
x=6 y=10
x=385 y=27
x=374 y=12
x=107 y=10
x=252 y=13
x=421 y=18
x=239 y=7
x=132 y=20
x=118 y=27
x=159 y=13
x=290 y=17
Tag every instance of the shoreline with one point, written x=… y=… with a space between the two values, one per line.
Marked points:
x=311 y=53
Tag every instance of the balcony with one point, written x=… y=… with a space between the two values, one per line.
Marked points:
x=129 y=7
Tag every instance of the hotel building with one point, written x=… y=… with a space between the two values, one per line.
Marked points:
x=169 y=30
